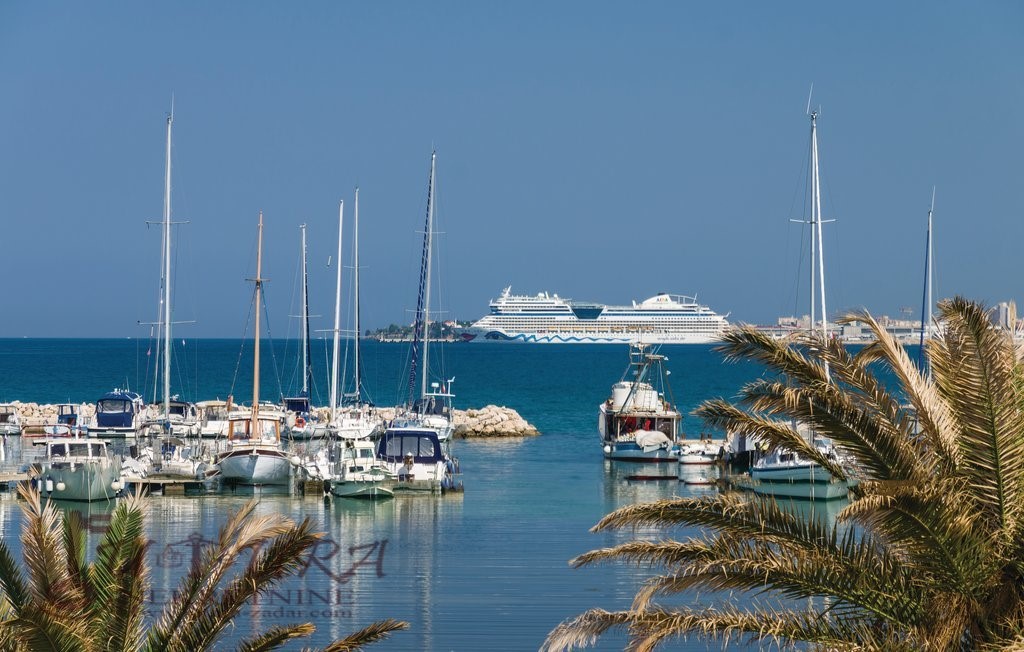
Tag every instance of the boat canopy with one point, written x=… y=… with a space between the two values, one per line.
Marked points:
x=422 y=445
x=298 y=404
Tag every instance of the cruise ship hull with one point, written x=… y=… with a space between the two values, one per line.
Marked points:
x=570 y=337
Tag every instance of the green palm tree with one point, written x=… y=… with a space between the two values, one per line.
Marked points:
x=63 y=602
x=929 y=555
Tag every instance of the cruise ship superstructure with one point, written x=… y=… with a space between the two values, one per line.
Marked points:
x=549 y=319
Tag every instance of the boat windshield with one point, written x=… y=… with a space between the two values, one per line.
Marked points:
x=422 y=447
x=114 y=405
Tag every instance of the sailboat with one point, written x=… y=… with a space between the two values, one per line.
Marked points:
x=303 y=423
x=254 y=455
x=785 y=473
x=353 y=419
x=177 y=421
x=417 y=446
x=433 y=408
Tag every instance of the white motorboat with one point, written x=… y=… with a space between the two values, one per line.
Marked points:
x=254 y=455
x=356 y=471
x=638 y=423
x=702 y=452
x=77 y=468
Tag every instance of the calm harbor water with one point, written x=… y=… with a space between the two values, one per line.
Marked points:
x=485 y=569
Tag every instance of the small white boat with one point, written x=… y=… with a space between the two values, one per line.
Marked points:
x=357 y=473
x=10 y=421
x=78 y=468
x=787 y=474
x=701 y=452
x=120 y=413
x=638 y=423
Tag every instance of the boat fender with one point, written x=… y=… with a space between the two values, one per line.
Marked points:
x=61 y=486
x=49 y=485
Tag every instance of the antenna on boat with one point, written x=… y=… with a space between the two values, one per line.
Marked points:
x=809 y=94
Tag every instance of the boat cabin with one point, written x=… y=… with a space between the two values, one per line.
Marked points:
x=75 y=448
x=266 y=428
x=298 y=404
x=118 y=409
x=422 y=446
x=67 y=414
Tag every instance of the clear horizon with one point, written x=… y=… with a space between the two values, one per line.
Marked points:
x=601 y=151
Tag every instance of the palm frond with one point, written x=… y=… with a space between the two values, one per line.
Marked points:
x=975 y=369
x=275 y=637
x=242 y=531
x=372 y=633
x=278 y=557
x=649 y=628
x=15 y=591
x=45 y=556
x=931 y=411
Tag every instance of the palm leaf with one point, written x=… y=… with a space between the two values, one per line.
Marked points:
x=275 y=637
x=372 y=633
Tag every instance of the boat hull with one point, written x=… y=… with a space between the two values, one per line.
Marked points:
x=364 y=489
x=803 y=490
x=81 y=482
x=255 y=466
x=631 y=452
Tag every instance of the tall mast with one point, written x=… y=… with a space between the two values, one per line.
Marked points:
x=167 y=270
x=926 y=299
x=426 y=295
x=256 y=346
x=816 y=223
x=423 y=296
x=306 y=370
x=337 y=319
x=355 y=279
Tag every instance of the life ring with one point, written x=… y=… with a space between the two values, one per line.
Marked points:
x=300 y=422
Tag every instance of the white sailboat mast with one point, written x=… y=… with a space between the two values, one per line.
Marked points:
x=305 y=319
x=337 y=319
x=355 y=279
x=167 y=270
x=931 y=303
x=426 y=297
x=253 y=432
x=816 y=224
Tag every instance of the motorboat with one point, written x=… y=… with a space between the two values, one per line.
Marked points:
x=702 y=452
x=77 y=467
x=119 y=413
x=417 y=460
x=639 y=422
x=788 y=474
x=356 y=471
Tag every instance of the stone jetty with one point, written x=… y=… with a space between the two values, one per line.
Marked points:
x=486 y=422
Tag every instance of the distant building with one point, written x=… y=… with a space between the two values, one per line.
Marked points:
x=1005 y=315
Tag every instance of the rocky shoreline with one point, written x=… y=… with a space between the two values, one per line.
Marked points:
x=491 y=421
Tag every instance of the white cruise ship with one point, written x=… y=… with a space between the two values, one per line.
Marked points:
x=549 y=319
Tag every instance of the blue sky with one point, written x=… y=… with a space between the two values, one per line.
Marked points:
x=603 y=151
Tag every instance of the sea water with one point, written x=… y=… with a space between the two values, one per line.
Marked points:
x=484 y=569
